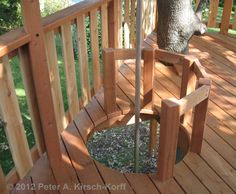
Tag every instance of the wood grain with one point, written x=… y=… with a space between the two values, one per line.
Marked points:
x=95 y=50
x=10 y=111
x=213 y=11
x=31 y=98
x=41 y=76
x=104 y=25
x=55 y=81
x=226 y=17
x=70 y=71
x=168 y=139
x=83 y=59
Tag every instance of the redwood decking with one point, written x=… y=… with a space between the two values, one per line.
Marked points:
x=213 y=171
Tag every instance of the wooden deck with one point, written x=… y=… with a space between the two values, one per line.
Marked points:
x=213 y=171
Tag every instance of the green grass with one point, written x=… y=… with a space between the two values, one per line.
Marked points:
x=218 y=20
x=5 y=155
x=216 y=30
x=219 y=15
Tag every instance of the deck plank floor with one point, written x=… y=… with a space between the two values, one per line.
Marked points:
x=213 y=171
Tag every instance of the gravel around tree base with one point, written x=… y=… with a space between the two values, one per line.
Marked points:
x=115 y=148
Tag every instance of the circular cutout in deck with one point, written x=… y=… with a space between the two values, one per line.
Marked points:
x=115 y=148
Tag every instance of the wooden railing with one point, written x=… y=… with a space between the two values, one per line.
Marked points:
x=35 y=47
x=172 y=110
x=195 y=89
x=225 y=24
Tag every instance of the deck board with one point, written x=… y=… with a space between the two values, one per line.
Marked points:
x=43 y=176
x=147 y=185
x=207 y=176
x=214 y=177
x=86 y=169
x=213 y=171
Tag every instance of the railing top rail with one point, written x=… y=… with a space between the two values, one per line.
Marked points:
x=68 y=14
x=17 y=38
x=13 y=40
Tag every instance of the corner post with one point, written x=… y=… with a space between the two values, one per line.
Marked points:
x=199 y=121
x=169 y=130
x=188 y=82
x=109 y=76
x=41 y=78
x=148 y=77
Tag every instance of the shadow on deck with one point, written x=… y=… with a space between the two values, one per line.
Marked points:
x=213 y=171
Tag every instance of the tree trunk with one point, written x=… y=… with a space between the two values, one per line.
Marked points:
x=177 y=22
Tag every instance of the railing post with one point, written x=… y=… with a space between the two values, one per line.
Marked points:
x=225 y=21
x=199 y=120
x=115 y=24
x=156 y=24
x=213 y=13
x=169 y=129
x=148 y=78
x=153 y=137
x=188 y=82
x=40 y=73
x=234 y=24
x=109 y=72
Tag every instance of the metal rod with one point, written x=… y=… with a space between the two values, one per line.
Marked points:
x=137 y=81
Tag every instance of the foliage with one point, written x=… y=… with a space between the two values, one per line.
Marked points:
x=10 y=16
x=10 y=12
x=49 y=7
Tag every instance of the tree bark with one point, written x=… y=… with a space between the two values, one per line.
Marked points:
x=177 y=23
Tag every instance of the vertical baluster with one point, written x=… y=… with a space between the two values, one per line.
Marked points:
x=95 y=50
x=225 y=21
x=156 y=21
x=104 y=21
x=69 y=64
x=55 y=81
x=31 y=98
x=119 y=23
x=133 y=23
x=127 y=24
x=213 y=13
x=234 y=24
x=83 y=59
x=10 y=111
